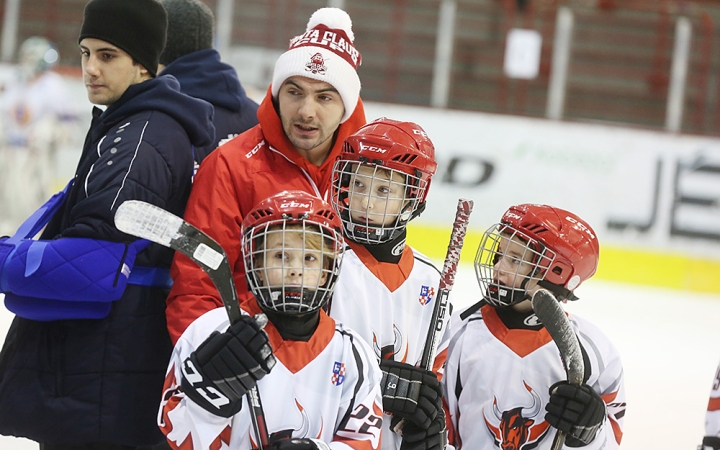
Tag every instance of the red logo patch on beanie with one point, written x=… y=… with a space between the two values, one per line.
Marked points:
x=316 y=64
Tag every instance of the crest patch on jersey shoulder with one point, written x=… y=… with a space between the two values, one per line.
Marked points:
x=427 y=294
x=338 y=375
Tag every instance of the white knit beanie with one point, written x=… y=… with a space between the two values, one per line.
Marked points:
x=325 y=52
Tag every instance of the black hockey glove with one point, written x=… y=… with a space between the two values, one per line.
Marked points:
x=431 y=438
x=577 y=410
x=710 y=443
x=410 y=392
x=226 y=365
x=299 y=444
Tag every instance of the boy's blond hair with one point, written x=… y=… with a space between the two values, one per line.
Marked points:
x=314 y=240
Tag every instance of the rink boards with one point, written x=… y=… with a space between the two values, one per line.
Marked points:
x=652 y=197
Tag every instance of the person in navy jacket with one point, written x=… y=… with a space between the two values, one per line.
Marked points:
x=83 y=364
x=190 y=58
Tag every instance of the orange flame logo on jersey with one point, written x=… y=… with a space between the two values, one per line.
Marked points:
x=517 y=428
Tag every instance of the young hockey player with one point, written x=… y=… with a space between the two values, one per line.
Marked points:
x=324 y=388
x=386 y=289
x=711 y=441
x=503 y=366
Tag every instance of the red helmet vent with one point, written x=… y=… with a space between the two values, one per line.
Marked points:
x=405 y=159
x=535 y=228
x=260 y=213
x=327 y=213
x=347 y=148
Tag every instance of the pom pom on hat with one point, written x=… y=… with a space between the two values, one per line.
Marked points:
x=332 y=18
x=325 y=52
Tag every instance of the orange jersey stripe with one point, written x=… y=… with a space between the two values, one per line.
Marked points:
x=439 y=362
x=391 y=275
x=609 y=397
x=297 y=354
x=714 y=404
x=522 y=342
x=617 y=431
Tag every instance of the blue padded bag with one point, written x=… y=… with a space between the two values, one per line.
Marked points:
x=32 y=224
x=46 y=310
x=68 y=278
x=75 y=269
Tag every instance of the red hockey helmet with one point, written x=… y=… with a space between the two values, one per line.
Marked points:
x=368 y=160
x=292 y=247
x=562 y=248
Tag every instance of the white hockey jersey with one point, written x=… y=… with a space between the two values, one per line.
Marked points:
x=497 y=380
x=712 y=418
x=390 y=306
x=327 y=388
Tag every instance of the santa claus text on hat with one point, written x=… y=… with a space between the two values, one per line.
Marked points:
x=325 y=52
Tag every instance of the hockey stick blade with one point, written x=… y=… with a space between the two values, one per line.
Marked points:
x=157 y=225
x=447 y=280
x=163 y=227
x=553 y=318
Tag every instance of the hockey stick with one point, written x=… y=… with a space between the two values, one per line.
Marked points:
x=447 y=280
x=553 y=318
x=162 y=227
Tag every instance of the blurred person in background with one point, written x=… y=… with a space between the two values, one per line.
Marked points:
x=35 y=119
x=189 y=57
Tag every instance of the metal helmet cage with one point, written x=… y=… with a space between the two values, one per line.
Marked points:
x=553 y=247
x=292 y=248
x=381 y=179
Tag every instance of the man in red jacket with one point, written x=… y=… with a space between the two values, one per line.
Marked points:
x=310 y=108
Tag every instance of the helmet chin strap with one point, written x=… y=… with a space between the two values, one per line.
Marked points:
x=560 y=292
x=294 y=299
x=407 y=214
x=420 y=208
x=512 y=295
x=295 y=327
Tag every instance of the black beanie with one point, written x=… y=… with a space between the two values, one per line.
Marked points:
x=137 y=26
x=190 y=28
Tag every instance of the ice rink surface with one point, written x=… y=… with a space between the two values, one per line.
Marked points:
x=670 y=347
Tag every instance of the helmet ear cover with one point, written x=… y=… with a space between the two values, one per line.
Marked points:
x=555 y=276
x=558 y=271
